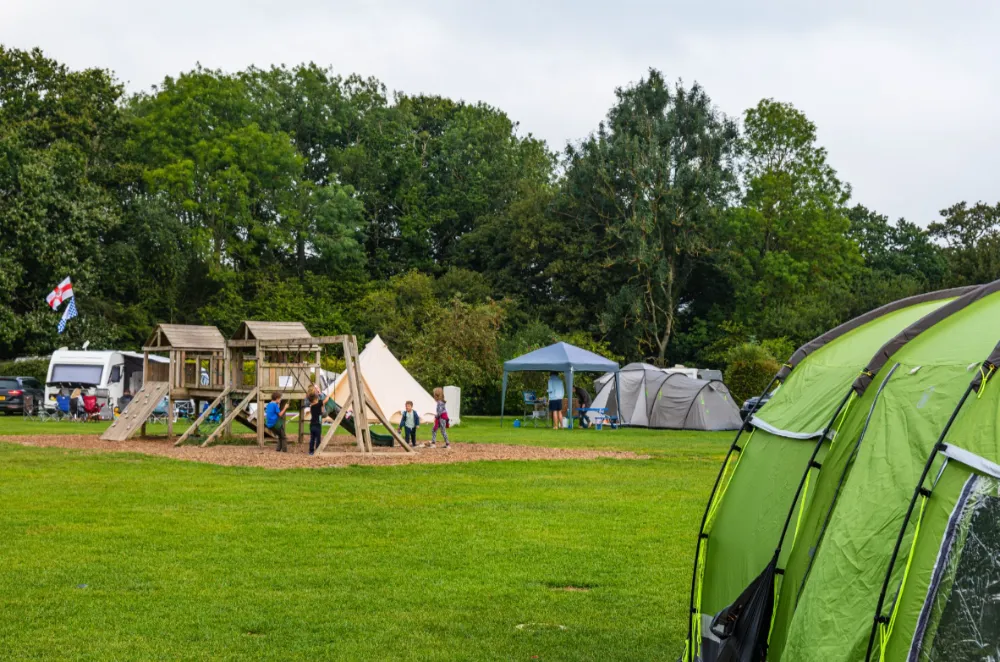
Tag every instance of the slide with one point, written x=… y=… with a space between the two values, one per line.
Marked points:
x=332 y=409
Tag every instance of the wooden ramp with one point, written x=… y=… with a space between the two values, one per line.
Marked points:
x=145 y=401
x=243 y=418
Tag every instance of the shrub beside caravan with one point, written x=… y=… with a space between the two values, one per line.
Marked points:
x=114 y=374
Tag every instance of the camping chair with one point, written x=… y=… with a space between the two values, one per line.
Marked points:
x=216 y=415
x=159 y=413
x=30 y=412
x=91 y=410
x=62 y=408
x=530 y=404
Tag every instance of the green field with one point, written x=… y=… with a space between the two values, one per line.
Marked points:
x=127 y=556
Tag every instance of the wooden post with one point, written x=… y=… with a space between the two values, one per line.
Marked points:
x=227 y=384
x=236 y=410
x=355 y=402
x=329 y=435
x=170 y=415
x=302 y=416
x=260 y=395
x=145 y=376
x=198 y=421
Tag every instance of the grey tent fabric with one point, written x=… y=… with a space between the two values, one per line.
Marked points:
x=657 y=398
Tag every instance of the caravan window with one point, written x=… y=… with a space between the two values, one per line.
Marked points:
x=116 y=375
x=63 y=373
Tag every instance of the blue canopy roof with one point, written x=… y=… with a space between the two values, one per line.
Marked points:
x=560 y=357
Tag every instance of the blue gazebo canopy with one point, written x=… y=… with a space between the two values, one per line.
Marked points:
x=560 y=357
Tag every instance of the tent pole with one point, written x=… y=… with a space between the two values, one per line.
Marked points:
x=618 y=399
x=503 y=396
x=569 y=398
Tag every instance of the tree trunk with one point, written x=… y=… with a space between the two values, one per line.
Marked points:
x=300 y=252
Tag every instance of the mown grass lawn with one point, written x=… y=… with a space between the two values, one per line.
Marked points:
x=126 y=556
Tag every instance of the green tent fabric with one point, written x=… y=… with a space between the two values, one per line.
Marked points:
x=757 y=485
x=835 y=571
x=892 y=549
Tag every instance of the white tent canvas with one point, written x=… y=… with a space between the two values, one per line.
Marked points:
x=389 y=382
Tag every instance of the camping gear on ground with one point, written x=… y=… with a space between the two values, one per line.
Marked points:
x=559 y=357
x=862 y=482
x=389 y=382
x=667 y=399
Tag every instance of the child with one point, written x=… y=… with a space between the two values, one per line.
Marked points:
x=274 y=420
x=409 y=423
x=440 y=419
x=315 y=420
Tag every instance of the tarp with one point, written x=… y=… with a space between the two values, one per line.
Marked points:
x=558 y=357
x=390 y=384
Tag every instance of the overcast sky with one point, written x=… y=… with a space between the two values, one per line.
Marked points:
x=905 y=94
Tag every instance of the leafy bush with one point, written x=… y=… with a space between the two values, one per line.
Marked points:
x=37 y=368
x=749 y=369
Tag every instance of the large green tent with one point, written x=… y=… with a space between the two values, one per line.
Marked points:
x=798 y=537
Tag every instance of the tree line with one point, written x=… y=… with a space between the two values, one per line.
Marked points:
x=673 y=233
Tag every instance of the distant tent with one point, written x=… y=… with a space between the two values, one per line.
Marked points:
x=660 y=398
x=389 y=382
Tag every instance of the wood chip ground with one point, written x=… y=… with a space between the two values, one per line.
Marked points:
x=340 y=453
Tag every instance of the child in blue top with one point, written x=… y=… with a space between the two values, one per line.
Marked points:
x=274 y=420
x=408 y=424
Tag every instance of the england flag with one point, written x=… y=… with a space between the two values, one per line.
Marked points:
x=62 y=291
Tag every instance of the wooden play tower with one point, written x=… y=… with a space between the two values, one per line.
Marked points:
x=262 y=358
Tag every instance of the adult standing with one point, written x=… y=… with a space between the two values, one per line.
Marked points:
x=557 y=391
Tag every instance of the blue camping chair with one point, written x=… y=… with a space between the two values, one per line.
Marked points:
x=216 y=415
x=63 y=407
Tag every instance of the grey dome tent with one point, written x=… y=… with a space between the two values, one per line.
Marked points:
x=559 y=357
x=656 y=398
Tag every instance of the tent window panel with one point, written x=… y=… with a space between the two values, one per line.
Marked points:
x=961 y=618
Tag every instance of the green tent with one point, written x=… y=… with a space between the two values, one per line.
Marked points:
x=798 y=537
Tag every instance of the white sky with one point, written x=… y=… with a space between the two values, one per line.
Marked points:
x=905 y=94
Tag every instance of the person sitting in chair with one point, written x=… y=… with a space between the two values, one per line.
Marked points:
x=583 y=402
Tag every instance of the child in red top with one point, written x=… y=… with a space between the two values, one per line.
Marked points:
x=440 y=419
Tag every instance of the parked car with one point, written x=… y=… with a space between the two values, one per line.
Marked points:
x=13 y=390
x=750 y=404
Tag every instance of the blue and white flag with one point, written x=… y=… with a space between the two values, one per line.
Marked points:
x=68 y=314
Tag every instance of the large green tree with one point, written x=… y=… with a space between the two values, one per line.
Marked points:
x=60 y=162
x=972 y=239
x=653 y=183
x=790 y=259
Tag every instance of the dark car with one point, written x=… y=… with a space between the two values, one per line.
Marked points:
x=750 y=404
x=13 y=390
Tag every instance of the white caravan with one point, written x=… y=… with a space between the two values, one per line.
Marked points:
x=117 y=373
